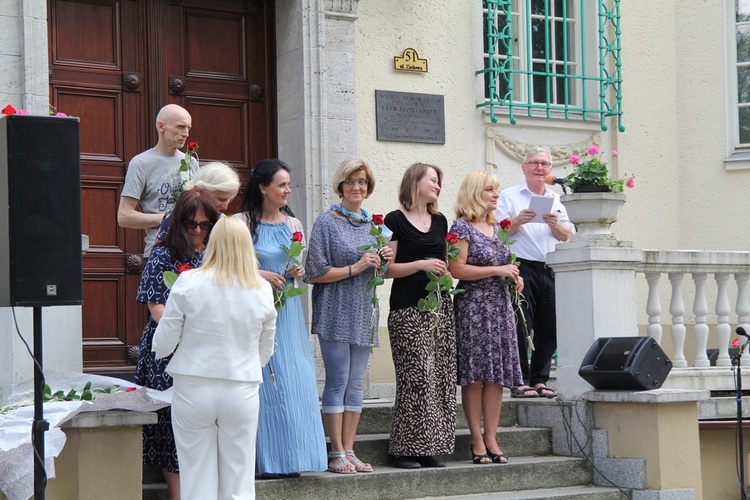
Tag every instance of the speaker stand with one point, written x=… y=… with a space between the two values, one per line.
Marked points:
x=740 y=445
x=39 y=426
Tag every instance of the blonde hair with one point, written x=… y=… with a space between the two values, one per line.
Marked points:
x=347 y=168
x=469 y=204
x=408 y=193
x=231 y=255
x=215 y=177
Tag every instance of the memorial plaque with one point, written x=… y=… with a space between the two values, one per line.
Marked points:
x=409 y=117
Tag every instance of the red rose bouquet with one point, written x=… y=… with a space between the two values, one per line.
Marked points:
x=184 y=170
x=438 y=284
x=293 y=254
x=515 y=295
x=170 y=277
x=377 y=277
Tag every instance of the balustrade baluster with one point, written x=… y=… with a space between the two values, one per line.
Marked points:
x=677 y=328
x=723 y=329
x=743 y=308
x=653 y=306
x=700 y=331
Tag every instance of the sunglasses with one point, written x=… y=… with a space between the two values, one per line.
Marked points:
x=192 y=225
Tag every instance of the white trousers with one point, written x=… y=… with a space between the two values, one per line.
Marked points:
x=215 y=422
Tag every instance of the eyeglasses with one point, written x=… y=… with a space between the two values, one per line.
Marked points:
x=192 y=225
x=544 y=164
x=351 y=182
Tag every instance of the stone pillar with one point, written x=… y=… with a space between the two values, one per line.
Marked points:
x=317 y=108
x=659 y=427
x=595 y=297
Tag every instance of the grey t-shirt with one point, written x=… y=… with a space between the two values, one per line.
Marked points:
x=152 y=179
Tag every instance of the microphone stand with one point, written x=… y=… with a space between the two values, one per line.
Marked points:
x=736 y=362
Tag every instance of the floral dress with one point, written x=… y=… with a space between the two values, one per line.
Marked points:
x=487 y=344
x=159 y=448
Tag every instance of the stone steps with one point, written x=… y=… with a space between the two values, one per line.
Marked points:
x=532 y=473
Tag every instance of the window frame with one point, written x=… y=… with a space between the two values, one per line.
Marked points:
x=596 y=46
x=738 y=153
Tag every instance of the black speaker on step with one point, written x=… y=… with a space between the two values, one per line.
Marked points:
x=40 y=211
x=625 y=363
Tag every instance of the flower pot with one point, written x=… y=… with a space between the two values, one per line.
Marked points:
x=593 y=213
x=592 y=189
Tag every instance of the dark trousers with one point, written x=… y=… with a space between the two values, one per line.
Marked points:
x=539 y=311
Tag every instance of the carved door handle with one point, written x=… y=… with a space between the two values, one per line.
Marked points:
x=131 y=82
x=176 y=85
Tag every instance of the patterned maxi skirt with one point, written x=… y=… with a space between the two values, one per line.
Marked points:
x=424 y=415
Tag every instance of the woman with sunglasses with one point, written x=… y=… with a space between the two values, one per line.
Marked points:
x=290 y=434
x=182 y=249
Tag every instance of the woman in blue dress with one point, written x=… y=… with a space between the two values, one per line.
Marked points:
x=290 y=431
x=194 y=215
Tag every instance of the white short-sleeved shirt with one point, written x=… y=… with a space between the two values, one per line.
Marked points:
x=533 y=241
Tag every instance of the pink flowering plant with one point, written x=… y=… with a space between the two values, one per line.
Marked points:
x=590 y=170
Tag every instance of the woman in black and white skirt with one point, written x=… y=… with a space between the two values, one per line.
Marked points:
x=424 y=350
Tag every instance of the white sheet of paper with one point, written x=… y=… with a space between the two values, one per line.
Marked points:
x=541 y=206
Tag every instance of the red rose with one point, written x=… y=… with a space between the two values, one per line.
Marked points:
x=181 y=268
x=131 y=389
x=505 y=224
x=377 y=219
x=451 y=238
x=192 y=145
x=9 y=110
x=297 y=236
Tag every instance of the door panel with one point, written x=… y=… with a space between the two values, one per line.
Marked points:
x=114 y=64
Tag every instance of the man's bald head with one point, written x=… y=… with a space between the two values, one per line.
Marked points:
x=171 y=113
x=173 y=124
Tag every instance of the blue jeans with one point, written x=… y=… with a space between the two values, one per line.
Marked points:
x=345 y=366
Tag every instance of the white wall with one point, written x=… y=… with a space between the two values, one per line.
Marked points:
x=24 y=84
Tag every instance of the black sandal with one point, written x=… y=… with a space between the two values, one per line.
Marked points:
x=540 y=391
x=478 y=459
x=497 y=458
x=524 y=392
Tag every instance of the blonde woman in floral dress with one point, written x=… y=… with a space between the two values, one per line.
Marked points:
x=486 y=324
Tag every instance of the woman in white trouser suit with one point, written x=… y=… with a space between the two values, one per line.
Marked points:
x=222 y=318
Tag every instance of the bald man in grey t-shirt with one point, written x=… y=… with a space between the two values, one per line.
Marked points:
x=153 y=176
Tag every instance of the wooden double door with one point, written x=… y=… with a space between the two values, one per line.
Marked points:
x=114 y=64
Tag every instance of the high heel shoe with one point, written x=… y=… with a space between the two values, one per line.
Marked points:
x=497 y=458
x=480 y=459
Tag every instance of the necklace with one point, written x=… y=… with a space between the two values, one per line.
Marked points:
x=269 y=212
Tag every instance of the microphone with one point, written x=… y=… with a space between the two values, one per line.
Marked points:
x=741 y=331
x=552 y=180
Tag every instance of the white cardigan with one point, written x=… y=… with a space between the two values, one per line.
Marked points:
x=221 y=332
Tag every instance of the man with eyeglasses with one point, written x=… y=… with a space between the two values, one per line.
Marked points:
x=153 y=176
x=532 y=242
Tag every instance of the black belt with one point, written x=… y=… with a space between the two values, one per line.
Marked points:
x=533 y=263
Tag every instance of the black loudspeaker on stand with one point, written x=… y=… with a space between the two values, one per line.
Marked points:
x=40 y=234
x=40 y=211
x=625 y=363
